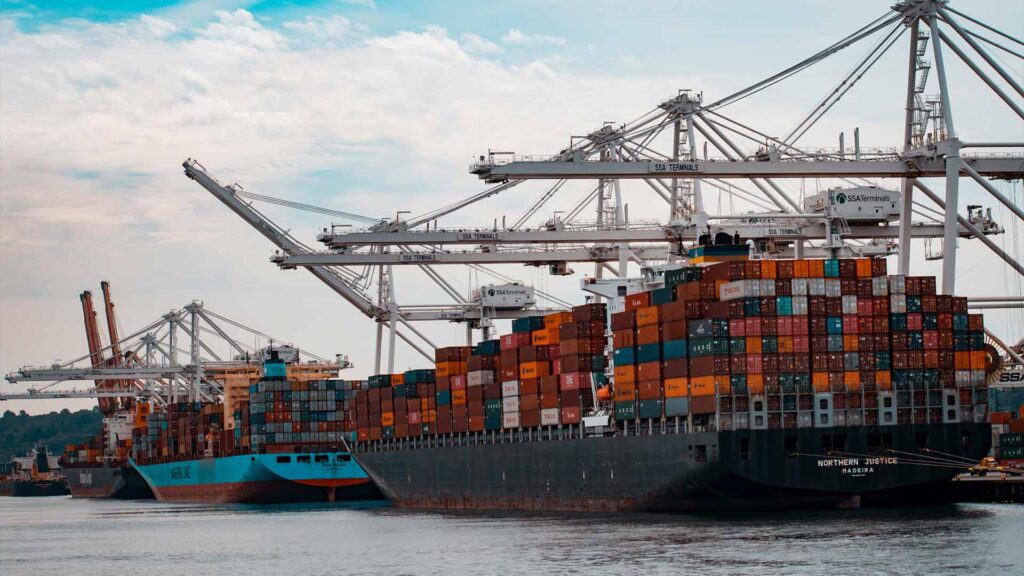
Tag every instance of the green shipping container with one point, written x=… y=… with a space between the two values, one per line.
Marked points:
x=700 y=347
x=625 y=410
x=662 y=296
x=648 y=353
x=673 y=349
x=1011 y=439
x=677 y=406
x=1011 y=452
x=650 y=409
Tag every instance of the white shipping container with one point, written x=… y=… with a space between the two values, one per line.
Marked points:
x=833 y=287
x=510 y=420
x=510 y=404
x=549 y=417
x=849 y=304
x=816 y=286
x=880 y=286
x=733 y=290
x=799 y=305
x=799 y=286
x=767 y=287
x=480 y=378
x=510 y=388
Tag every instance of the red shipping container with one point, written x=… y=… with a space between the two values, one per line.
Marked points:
x=571 y=415
x=649 y=390
x=574 y=381
x=649 y=371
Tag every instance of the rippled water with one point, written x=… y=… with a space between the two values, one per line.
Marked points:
x=84 y=537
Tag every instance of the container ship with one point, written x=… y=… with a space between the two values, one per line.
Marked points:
x=98 y=467
x=744 y=384
x=278 y=439
x=35 y=474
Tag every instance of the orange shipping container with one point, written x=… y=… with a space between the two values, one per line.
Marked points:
x=863 y=267
x=883 y=380
x=534 y=369
x=557 y=319
x=676 y=387
x=978 y=360
x=800 y=269
x=785 y=344
x=647 y=316
x=755 y=383
x=722 y=383
x=768 y=269
x=540 y=337
x=753 y=344
x=702 y=386
x=387 y=419
x=962 y=360
x=625 y=374
x=851 y=380
x=815 y=268
x=397 y=379
x=850 y=343
x=458 y=396
x=820 y=381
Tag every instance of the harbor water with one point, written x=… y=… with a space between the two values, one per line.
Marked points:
x=60 y=535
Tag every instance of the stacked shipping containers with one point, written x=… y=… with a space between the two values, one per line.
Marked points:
x=786 y=344
x=542 y=374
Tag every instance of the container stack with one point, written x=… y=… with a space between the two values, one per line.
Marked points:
x=419 y=392
x=483 y=389
x=650 y=352
x=581 y=359
x=1008 y=428
x=787 y=344
x=284 y=415
x=451 y=366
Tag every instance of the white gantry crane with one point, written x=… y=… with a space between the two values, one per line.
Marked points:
x=152 y=363
x=681 y=150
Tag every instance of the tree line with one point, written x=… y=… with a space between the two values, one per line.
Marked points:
x=20 y=432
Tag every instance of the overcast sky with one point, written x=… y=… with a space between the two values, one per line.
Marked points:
x=372 y=107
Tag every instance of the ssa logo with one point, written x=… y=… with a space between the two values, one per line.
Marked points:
x=841 y=198
x=1009 y=377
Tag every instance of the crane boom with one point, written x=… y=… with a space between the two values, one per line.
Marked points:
x=281 y=239
x=92 y=337
x=115 y=342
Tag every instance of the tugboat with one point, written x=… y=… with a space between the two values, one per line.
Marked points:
x=37 y=474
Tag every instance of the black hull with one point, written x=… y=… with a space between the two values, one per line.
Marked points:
x=105 y=481
x=34 y=488
x=738 y=470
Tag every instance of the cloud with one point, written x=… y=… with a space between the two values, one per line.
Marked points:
x=332 y=29
x=516 y=37
x=477 y=44
x=239 y=31
x=364 y=3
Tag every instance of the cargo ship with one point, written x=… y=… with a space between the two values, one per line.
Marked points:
x=99 y=468
x=745 y=384
x=278 y=439
x=36 y=474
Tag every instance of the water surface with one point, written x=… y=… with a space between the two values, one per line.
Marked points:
x=101 y=537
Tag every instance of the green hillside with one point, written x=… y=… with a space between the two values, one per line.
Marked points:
x=19 y=432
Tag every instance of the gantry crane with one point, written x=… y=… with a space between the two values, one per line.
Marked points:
x=661 y=150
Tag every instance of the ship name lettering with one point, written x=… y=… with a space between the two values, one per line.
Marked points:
x=838 y=462
x=181 y=473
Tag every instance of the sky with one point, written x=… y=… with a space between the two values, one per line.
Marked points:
x=371 y=107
